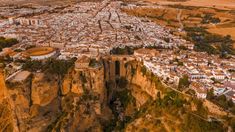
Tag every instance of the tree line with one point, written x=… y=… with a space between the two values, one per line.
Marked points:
x=7 y=42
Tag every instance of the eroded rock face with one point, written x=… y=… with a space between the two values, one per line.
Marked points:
x=84 y=101
x=7 y=117
x=67 y=84
x=84 y=96
x=44 y=90
x=87 y=79
x=33 y=102
x=77 y=102
x=3 y=89
x=140 y=95
x=142 y=87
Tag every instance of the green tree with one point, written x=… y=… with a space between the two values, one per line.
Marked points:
x=122 y=82
x=33 y=65
x=184 y=82
x=222 y=101
x=59 y=67
x=233 y=111
x=230 y=103
x=201 y=110
x=210 y=94
x=7 y=42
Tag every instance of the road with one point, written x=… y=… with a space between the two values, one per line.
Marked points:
x=179 y=19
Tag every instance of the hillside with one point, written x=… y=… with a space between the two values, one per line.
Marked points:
x=216 y=18
x=92 y=99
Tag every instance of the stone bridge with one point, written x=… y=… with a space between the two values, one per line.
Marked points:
x=114 y=66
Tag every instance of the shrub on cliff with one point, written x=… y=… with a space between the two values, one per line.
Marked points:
x=32 y=65
x=94 y=63
x=122 y=50
x=53 y=66
x=143 y=70
x=7 y=42
x=193 y=123
x=59 y=67
x=122 y=82
x=184 y=82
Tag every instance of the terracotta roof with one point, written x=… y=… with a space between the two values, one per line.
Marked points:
x=198 y=87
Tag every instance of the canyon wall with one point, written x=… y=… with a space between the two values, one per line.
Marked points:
x=78 y=101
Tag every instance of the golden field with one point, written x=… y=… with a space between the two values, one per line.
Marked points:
x=177 y=13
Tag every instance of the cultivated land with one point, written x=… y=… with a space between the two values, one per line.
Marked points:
x=222 y=4
x=223 y=31
x=42 y=2
x=189 y=13
x=35 y=2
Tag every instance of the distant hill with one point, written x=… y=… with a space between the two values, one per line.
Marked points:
x=39 y=2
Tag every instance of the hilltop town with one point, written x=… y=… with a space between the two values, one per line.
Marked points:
x=87 y=32
x=86 y=25
x=94 y=29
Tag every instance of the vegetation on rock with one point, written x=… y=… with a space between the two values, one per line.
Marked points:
x=53 y=66
x=122 y=50
x=184 y=82
x=7 y=42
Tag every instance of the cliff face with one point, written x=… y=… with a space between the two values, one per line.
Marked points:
x=7 y=116
x=44 y=89
x=3 y=93
x=34 y=102
x=79 y=101
x=141 y=85
x=84 y=100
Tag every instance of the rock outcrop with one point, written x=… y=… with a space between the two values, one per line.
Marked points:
x=8 y=118
x=77 y=101
x=44 y=89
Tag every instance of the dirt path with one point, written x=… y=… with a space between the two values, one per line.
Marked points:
x=166 y=126
x=179 y=19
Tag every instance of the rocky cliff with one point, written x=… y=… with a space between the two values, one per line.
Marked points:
x=115 y=95
x=8 y=120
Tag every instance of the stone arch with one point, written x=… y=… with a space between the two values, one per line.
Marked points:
x=117 y=68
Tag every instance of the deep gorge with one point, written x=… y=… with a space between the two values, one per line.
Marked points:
x=110 y=95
